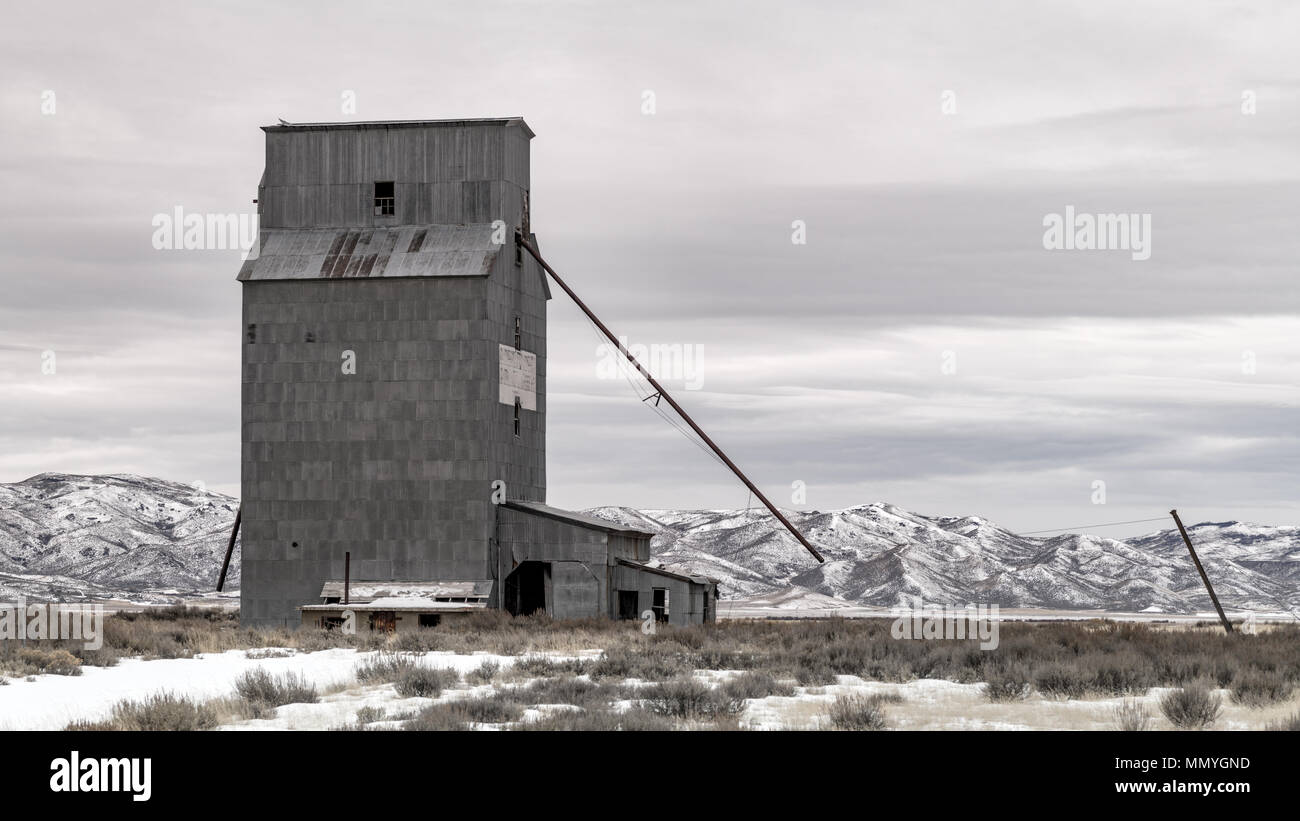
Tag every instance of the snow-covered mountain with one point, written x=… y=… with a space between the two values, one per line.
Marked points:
x=882 y=555
x=76 y=537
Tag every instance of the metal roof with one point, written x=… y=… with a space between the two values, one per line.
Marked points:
x=462 y=123
x=568 y=516
x=344 y=253
x=705 y=580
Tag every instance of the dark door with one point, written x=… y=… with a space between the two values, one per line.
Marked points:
x=627 y=601
x=526 y=588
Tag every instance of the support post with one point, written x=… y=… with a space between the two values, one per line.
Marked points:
x=1227 y=625
x=230 y=548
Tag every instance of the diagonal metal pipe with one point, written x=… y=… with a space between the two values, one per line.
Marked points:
x=528 y=246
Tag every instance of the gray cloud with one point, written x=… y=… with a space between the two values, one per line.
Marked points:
x=924 y=236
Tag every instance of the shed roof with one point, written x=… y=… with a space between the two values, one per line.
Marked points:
x=461 y=123
x=569 y=517
x=345 y=253
x=659 y=571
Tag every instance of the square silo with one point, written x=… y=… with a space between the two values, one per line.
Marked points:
x=394 y=357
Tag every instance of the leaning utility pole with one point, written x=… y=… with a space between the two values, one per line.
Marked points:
x=1227 y=625
x=528 y=246
x=230 y=548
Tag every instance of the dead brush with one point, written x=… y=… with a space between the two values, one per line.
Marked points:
x=1009 y=682
x=162 y=712
x=260 y=688
x=688 y=698
x=1131 y=717
x=858 y=712
x=1192 y=707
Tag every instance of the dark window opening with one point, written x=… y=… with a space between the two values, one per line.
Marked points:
x=331 y=622
x=332 y=599
x=627 y=604
x=310 y=337
x=252 y=333
x=517 y=407
x=383 y=621
x=519 y=334
x=430 y=619
x=385 y=199
x=660 y=605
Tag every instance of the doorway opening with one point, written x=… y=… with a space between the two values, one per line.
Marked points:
x=627 y=604
x=526 y=586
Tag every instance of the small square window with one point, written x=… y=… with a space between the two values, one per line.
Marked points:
x=385 y=199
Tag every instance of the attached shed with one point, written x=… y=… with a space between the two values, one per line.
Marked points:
x=571 y=565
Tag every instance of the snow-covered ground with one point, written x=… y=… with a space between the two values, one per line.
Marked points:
x=50 y=702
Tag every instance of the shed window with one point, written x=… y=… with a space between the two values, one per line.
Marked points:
x=430 y=619
x=385 y=199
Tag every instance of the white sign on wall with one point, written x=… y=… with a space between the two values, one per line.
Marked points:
x=518 y=378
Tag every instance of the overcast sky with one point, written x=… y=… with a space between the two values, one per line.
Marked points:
x=922 y=348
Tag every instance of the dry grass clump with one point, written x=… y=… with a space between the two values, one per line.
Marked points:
x=1131 y=717
x=159 y=712
x=462 y=713
x=1257 y=688
x=1062 y=680
x=369 y=715
x=754 y=684
x=1008 y=682
x=859 y=712
x=263 y=692
x=34 y=660
x=655 y=662
x=568 y=690
x=635 y=719
x=1290 y=723
x=534 y=666
x=484 y=673
x=408 y=676
x=688 y=698
x=425 y=682
x=1192 y=707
